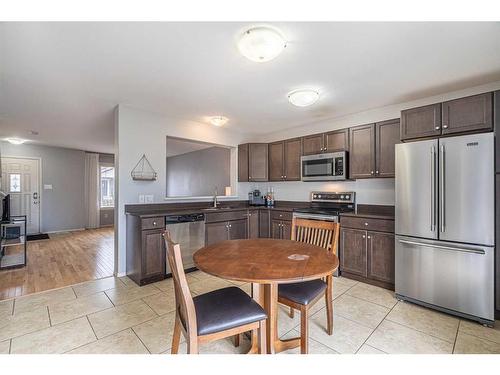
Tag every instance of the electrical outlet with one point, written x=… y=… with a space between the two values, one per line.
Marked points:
x=142 y=198
x=149 y=198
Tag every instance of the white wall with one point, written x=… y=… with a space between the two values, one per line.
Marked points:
x=138 y=132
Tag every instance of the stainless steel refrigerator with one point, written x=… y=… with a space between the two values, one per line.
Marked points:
x=445 y=235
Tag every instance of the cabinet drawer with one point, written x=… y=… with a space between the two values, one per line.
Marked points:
x=153 y=222
x=380 y=225
x=281 y=215
x=213 y=217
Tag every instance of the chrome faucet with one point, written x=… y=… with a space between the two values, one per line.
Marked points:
x=215 y=198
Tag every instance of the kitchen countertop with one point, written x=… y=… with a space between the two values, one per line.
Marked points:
x=370 y=211
x=205 y=210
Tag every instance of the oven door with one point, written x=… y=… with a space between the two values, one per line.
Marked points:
x=323 y=167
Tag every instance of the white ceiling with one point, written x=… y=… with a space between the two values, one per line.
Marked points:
x=64 y=79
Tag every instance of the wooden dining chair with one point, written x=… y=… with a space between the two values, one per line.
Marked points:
x=302 y=296
x=211 y=316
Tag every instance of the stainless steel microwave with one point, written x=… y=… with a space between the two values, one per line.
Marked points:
x=324 y=167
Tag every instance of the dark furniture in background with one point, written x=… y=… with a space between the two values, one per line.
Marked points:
x=13 y=248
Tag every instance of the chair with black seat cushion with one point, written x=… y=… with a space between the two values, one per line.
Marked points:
x=302 y=296
x=212 y=316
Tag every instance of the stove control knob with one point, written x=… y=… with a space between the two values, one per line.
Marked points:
x=341 y=197
x=315 y=196
x=347 y=197
x=319 y=196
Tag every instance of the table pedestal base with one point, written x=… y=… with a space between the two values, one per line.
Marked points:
x=267 y=296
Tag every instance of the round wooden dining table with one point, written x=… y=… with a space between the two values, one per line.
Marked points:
x=266 y=263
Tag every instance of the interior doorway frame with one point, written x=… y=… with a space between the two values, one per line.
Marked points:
x=40 y=192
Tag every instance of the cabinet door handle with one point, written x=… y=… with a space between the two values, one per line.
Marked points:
x=371 y=172
x=369 y=237
x=364 y=236
x=445 y=126
x=437 y=128
x=154 y=223
x=376 y=172
x=366 y=224
x=285 y=177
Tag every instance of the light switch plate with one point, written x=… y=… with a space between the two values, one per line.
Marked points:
x=142 y=198
x=149 y=198
x=47 y=187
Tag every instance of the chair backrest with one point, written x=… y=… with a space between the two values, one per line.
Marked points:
x=315 y=232
x=183 y=299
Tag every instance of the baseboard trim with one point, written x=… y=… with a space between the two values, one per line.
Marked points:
x=66 y=230
x=121 y=274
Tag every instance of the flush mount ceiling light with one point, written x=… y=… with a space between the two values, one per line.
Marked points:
x=219 y=120
x=303 y=98
x=16 y=141
x=261 y=44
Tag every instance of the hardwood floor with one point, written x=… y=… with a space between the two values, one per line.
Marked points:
x=64 y=259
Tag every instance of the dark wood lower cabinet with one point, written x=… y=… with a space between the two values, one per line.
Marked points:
x=353 y=256
x=216 y=232
x=238 y=229
x=253 y=224
x=153 y=261
x=146 y=254
x=281 y=229
x=381 y=256
x=367 y=256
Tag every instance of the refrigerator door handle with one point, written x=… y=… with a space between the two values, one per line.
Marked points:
x=464 y=250
x=433 y=189
x=441 y=188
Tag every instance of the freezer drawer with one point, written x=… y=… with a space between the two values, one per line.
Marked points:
x=455 y=277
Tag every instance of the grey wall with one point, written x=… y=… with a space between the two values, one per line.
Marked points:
x=63 y=206
x=197 y=173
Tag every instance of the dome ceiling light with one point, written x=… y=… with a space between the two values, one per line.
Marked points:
x=261 y=44
x=303 y=98
x=219 y=120
x=16 y=141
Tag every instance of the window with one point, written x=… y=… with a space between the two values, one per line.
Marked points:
x=15 y=183
x=107 y=186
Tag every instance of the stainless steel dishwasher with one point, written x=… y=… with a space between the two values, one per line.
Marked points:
x=189 y=232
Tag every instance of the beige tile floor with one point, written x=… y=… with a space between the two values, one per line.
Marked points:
x=114 y=315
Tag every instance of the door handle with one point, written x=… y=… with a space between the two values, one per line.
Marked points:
x=463 y=250
x=433 y=189
x=441 y=188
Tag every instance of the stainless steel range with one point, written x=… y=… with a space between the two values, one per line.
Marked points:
x=327 y=206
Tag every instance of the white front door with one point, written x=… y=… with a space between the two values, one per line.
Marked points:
x=21 y=179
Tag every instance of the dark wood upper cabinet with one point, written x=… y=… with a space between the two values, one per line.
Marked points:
x=284 y=160
x=243 y=163
x=353 y=256
x=293 y=152
x=362 y=151
x=252 y=162
x=337 y=140
x=276 y=161
x=312 y=144
x=381 y=256
x=473 y=113
x=386 y=136
x=421 y=122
